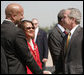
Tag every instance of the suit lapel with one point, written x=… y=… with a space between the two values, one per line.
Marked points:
x=73 y=37
x=58 y=29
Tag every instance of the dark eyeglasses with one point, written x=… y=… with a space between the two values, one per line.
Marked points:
x=30 y=28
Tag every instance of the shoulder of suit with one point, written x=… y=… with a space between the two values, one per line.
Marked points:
x=41 y=30
x=80 y=29
x=11 y=27
x=54 y=31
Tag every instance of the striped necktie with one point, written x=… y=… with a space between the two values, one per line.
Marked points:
x=65 y=32
x=67 y=42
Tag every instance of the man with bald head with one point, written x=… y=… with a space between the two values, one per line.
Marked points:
x=14 y=42
x=14 y=12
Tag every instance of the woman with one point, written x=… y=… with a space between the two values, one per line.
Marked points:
x=28 y=28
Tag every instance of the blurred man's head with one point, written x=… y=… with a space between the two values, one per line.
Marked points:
x=14 y=12
x=35 y=22
x=60 y=16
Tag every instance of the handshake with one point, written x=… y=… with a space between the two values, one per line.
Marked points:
x=47 y=72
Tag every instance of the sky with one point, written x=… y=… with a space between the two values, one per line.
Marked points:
x=45 y=11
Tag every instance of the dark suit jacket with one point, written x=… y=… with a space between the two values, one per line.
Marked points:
x=42 y=44
x=73 y=59
x=15 y=45
x=4 y=65
x=55 y=39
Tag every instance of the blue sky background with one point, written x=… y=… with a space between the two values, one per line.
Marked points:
x=45 y=11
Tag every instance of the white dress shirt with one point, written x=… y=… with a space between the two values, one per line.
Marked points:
x=72 y=31
x=8 y=20
x=61 y=28
x=36 y=33
x=31 y=43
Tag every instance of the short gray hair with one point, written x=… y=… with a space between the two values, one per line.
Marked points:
x=75 y=13
x=61 y=15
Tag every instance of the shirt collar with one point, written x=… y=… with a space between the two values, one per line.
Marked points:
x=72 y=31
x=62 y=29
x=37 y=29
x=8 y=20
x=11 y=21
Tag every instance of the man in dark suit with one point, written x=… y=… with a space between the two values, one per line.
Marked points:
x=73 y=51
x=4 y=65
x=55 y=39
x=42 y=43
x=14 y=42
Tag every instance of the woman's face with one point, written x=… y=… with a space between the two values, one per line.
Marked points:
x=29 y=30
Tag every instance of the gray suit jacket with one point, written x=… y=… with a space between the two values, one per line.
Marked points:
x=4 y=64
x=55 y=39
x=73 y=60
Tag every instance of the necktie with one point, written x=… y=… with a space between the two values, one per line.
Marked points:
x=65 y=32
x=67 y=42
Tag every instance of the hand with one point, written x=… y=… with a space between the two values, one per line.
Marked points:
x=47 y=72
x=44 y=60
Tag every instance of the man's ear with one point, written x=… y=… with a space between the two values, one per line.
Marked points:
x=73 y=20
x=13 y=17
x=62 y=20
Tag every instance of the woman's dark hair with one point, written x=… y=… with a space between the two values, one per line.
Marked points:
x=23 y=22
